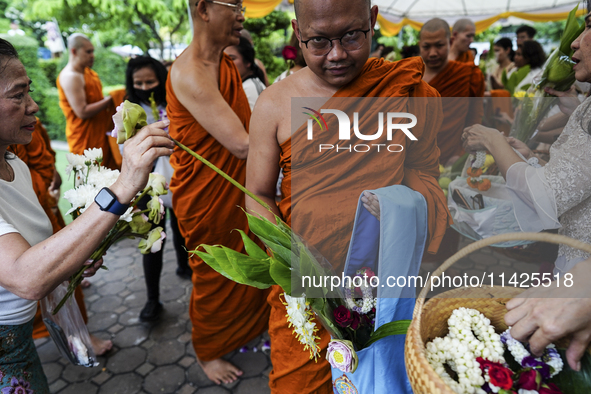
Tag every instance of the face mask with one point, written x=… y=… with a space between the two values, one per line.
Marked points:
x=144 y=95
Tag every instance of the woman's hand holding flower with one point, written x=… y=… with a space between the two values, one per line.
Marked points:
x=478 y=137
x=138 y=158
x=92 y=267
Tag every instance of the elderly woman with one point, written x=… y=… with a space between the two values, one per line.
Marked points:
x=33 y=262
x=556 y=195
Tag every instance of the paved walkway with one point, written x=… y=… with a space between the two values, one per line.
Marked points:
x=146 y=358
x=159 y=358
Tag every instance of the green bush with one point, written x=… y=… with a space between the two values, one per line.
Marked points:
x=44 y=94
x=50 y=69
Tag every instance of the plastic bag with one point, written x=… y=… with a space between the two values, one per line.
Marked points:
x=67 y=328
x=164 y=168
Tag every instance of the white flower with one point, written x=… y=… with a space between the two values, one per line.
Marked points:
x=75 y=163
x=300 y=317
x=95 y=155
x=524 y=391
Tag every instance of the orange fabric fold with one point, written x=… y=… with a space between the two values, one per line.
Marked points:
x=320 y=192
x=225 y=314
x=40 y=159
x=89 y=133
x=466 y=57
x=458 y=80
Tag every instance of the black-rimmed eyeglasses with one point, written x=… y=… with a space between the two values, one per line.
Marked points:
x=350 y=41
x=238 y=8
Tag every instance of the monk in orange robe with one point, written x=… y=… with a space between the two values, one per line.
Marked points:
x=88 y=113
x=209 y=113
x=462 y=35
x=323 y=188
x=451 y=79
x=40 y=159
x=454 y=81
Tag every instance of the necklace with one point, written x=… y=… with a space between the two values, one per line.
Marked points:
x=8 y=173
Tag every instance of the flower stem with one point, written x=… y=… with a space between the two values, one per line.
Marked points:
x=222 y=173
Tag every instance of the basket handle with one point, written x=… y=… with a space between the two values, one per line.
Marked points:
x=538 y=237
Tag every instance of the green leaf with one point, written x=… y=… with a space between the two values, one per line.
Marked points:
x=458 y=166
x=398 y=327
x=262 y=227
x=281 y=275
x=573 y=382
x=251 y=247
x=254 y=272
x=215 y=257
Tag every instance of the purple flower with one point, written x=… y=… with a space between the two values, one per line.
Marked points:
x=341 y=355
x=243 y=349
x=541 y=367
x=17 y=387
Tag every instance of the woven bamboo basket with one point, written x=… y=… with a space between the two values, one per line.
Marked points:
x=430 y=319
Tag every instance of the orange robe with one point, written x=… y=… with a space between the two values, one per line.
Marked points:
x=320 y=194
x=40 y=159
x=89 y=133
x=466 y=57
x=458 y=80
x=225 y=314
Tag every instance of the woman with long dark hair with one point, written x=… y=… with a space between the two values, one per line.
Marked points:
x=252 y=76
x=145 y=78
x=504 y=54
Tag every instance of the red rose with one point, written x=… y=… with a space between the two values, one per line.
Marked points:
x=356 y=320
x=549 y=388
x=500 y=377
x=528 y=380
x=342 y=316
x=289 y=52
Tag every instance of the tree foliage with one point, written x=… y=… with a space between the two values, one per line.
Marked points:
x=137 y=22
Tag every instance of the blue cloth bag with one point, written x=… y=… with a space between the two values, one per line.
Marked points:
x=391 y=247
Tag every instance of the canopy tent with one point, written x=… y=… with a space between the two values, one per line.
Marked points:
x=394 y=14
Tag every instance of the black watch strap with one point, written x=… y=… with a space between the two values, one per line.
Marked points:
x=107 y=201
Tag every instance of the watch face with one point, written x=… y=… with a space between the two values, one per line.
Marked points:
x=104 y=199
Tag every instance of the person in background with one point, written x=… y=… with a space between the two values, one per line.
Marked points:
x=462 y=35
x=529 y=53
x=504 y=56
x=252 y=76
x=299 y=61
x=525 y=33
x=246 y=34
x=410 y=51
x=556 y=195
x=15 y=30
x=88 y=113
x=33 y=261
x=145 y=77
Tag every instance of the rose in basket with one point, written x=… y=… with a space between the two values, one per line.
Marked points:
x=288 y=260
x=482 y=361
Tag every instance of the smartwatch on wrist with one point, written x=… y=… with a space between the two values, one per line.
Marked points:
x=107 y=201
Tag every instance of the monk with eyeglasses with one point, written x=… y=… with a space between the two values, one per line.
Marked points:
x=335 y=38
x=209 y=113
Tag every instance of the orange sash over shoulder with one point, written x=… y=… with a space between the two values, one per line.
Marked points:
x=320 y=194
x=88 y=133
x=458 y=80
x=225 y=314
x=466 y=57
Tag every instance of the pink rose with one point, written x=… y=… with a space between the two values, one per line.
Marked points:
x=549 y=388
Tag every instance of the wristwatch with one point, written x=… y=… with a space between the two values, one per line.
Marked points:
x=107 y=201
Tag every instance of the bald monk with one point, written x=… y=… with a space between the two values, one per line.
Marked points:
x=330 y=183
x=40 y=159
x=462 y=35
x=88 y=118
x=451 y=79
x=209 y=113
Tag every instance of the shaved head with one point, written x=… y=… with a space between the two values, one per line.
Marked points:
x=301 y=6
x=462 y=25
x=434 y=25
x=77 y=40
